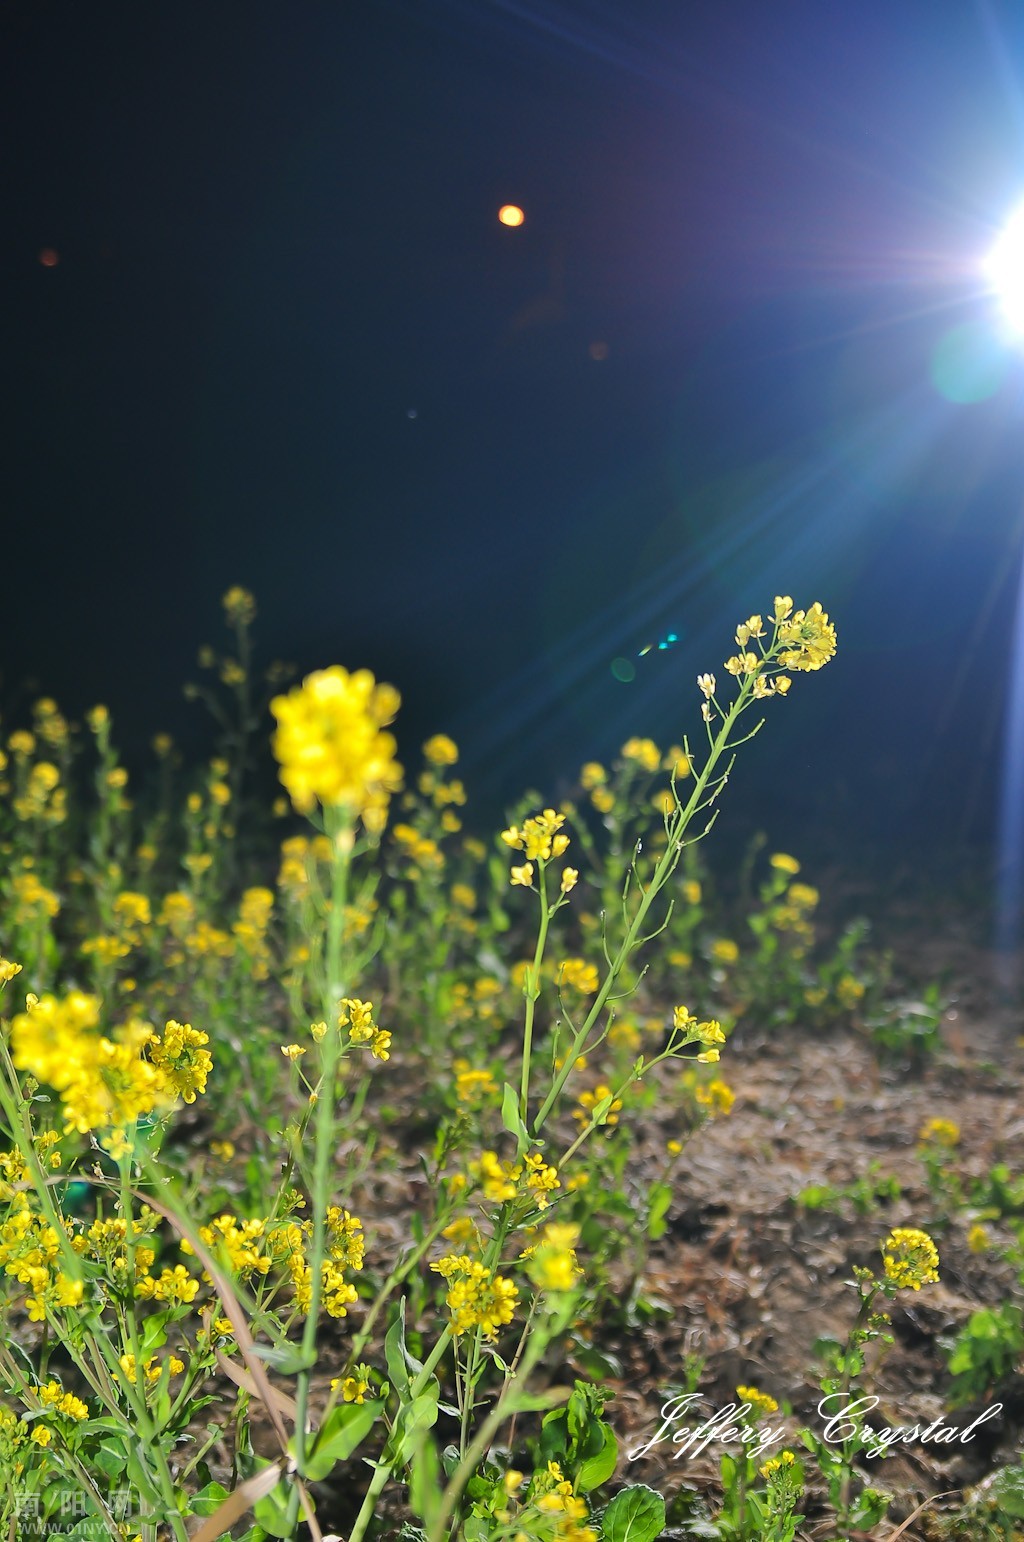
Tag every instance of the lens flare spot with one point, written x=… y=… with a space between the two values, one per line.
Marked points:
x=511 y=214
x=624 y=670
x=968 y=364
x=48 y=257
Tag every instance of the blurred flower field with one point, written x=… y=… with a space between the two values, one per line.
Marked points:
x=337 y=1187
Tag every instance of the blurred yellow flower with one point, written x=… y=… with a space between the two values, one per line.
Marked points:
x=331 y=745
x=441 y=751
x=783 y=863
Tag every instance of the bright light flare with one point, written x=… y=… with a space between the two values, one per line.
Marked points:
x=511 y=214
x=1004 y=269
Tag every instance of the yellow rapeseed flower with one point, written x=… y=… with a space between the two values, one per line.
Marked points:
x=239 y=605
x=784 y=863
x=717 y=1097
x=580 y=975
x=52 y=1395
x=476 y=1298
x=441 y=751
x=332 y=747
x=940 y=1132
x=911 y=1259
x=552 y=1263
x=644 y=752
x=760 y=1402
x=809 y=637
x=182 y=1059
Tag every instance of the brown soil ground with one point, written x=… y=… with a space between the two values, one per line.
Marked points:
x=750 y=1279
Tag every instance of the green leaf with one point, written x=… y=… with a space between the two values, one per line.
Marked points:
x=272 y=1512
x=511 y=1119
x=154 y=1333
x=637 y=1514
x=396 y=1352
x=344 y=1429
x=208 y=1498
x=426 y=1482
x=286 y=1359
x=598 y=1468
x=600 y=1109
x=111 y=1458
x=659 y=1197
x=414 y=1418
x=1008 y=1492
x=869 y=1509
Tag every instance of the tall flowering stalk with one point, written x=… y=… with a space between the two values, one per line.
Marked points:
x=770 y=652
x=337 y=762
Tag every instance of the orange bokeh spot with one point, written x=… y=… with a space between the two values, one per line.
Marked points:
x=511 y=214
x=48 y=257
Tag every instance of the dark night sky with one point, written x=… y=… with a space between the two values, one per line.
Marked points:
x=288 y=344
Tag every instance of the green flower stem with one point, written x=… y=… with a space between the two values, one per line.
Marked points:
x=144 y=1426
x=506 y=1406
x=340 y=831
x=16 y=1111
x=532 y=993
x=386 y=1464
x=662 y=873
x=14 y=1378
x=849 y=1445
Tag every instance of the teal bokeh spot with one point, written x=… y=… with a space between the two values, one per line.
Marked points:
x=969 y=364
x=624 y=670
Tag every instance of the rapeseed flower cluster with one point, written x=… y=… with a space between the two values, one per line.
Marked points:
x=761 y=1403
x=357 y=1017
x=332 y=746
x=107 y=1083
x=551 y=1261
x=476 y=1297
x=552 y=1500
x=30 y=1252
x=542 y=840
x=910 y=1258
x=800 y=640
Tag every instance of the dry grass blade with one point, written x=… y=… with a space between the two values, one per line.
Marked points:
x=233 y=1310
x=924 y=1505
x=247 y=1348
x=238 y=1502
x=242 y=1379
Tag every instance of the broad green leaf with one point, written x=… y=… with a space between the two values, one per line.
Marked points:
x=636 y=1514
x=598 y=1468
x=341 y=1433
x=419 y=1415
x=400 y=1361
x=272 y=1512
x=208 y=1498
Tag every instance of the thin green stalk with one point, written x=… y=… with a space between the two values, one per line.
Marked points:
x=532 y=993
x=482 y=1440
x=844 y=1392
x=144 y=1425
x=340 y=832
x=386 y=1464
x=662 y=872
